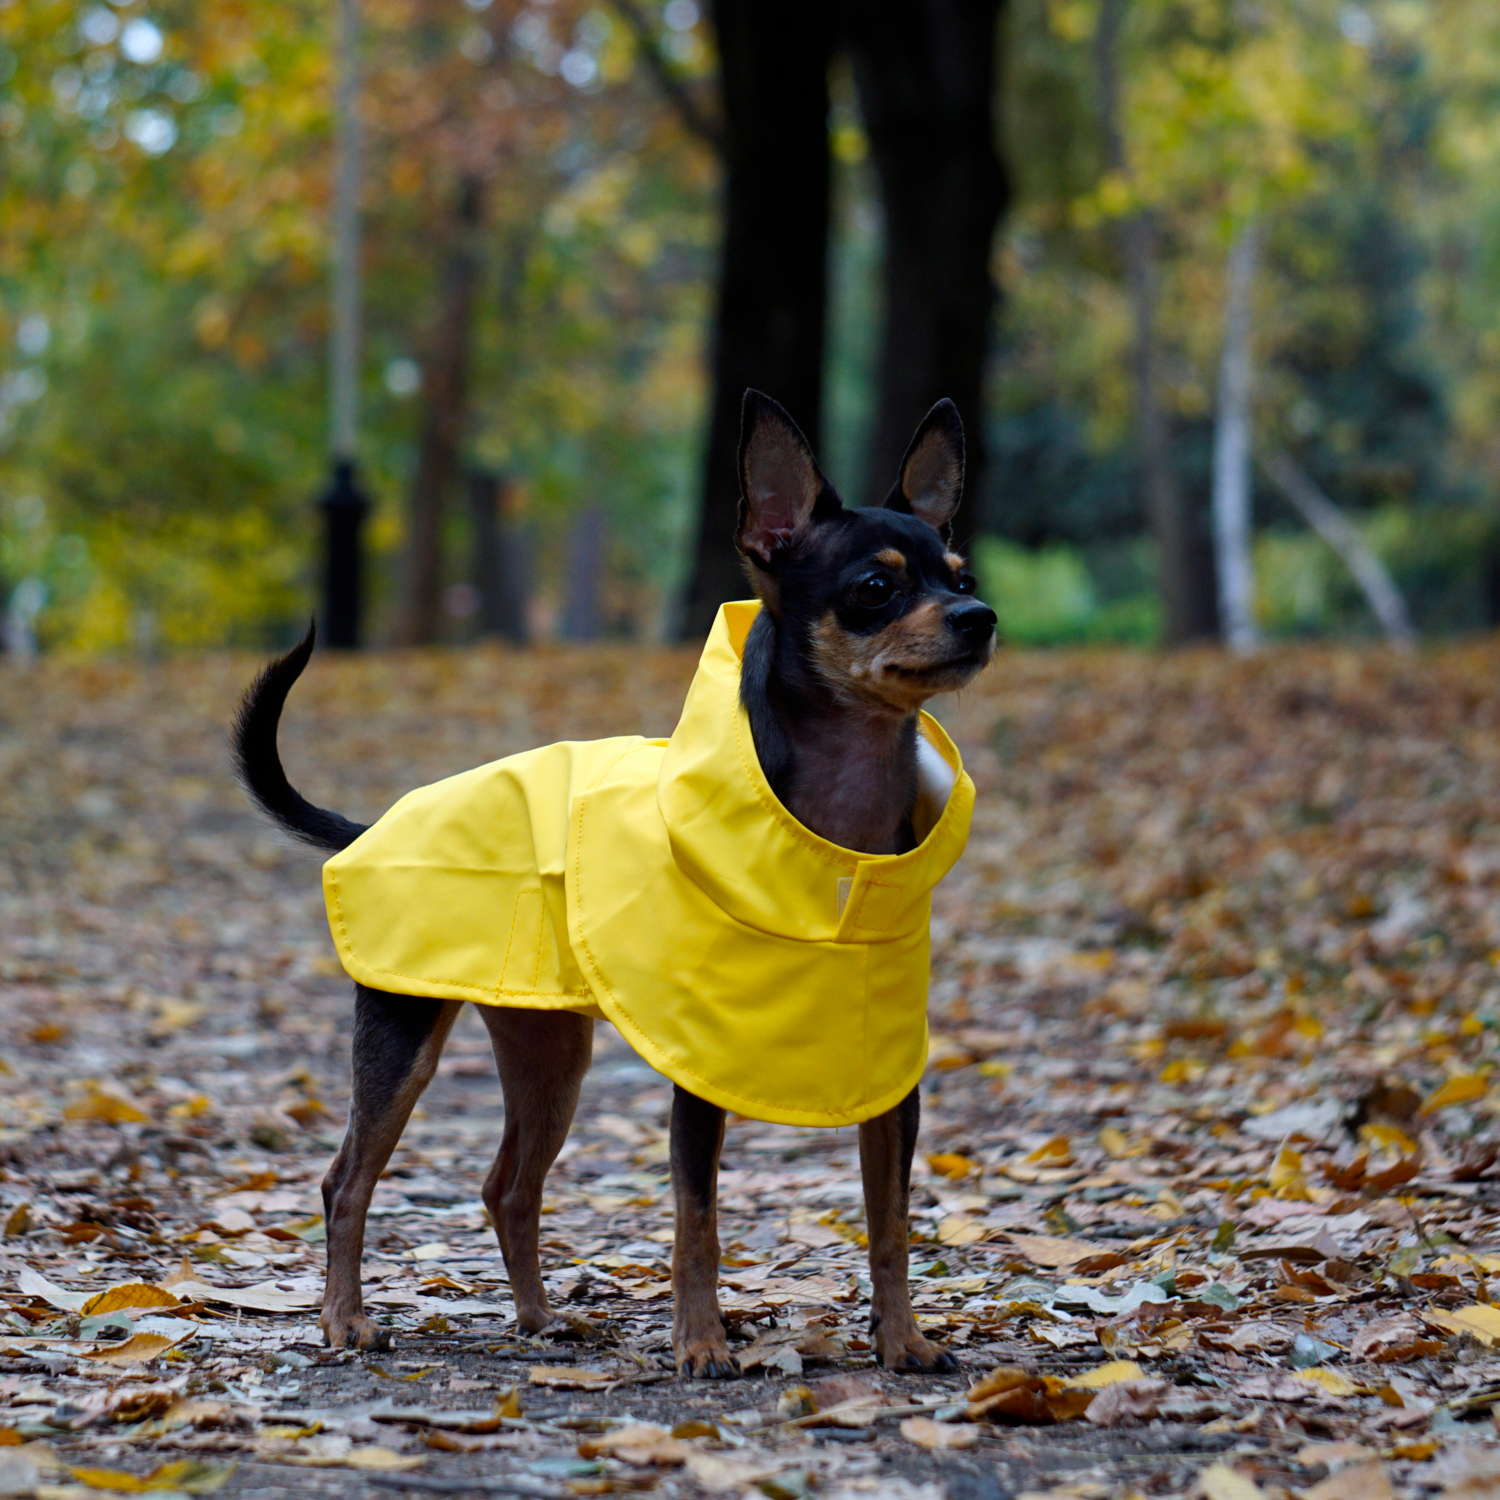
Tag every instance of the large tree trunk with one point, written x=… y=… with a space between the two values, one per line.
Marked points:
x=925 y=71
x=773 y=57
x=445 y=392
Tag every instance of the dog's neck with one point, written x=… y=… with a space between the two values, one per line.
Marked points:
x=846 y=771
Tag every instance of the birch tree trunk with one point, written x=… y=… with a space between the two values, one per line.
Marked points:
x=1231 y=500
x=1338 y=531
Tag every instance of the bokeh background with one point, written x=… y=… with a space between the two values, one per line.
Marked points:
x=588 y=223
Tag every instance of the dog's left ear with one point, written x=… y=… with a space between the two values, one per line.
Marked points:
x=782 y=490
x=932 y=473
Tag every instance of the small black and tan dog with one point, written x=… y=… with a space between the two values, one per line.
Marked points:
x=867 y=613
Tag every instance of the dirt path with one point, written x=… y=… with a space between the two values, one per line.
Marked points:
x=1208 y=1145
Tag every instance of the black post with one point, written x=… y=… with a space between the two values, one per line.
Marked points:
x=499 y=555
x=344 y=510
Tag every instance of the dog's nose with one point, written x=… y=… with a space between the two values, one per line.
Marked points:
x=972 y=622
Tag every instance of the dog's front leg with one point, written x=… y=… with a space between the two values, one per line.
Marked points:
x=397 y=1042
x=886 y=1144
x=698 y=1340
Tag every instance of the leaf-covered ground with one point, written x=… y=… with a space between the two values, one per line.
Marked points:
x=1206 y=1196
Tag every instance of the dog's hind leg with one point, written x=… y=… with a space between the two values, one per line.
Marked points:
x=397 y=1042
x=542 y=1056
x=886 y=1145
x=699 y=1344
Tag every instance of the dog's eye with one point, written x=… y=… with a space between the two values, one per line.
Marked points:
x=875 y=591
x=966 y=583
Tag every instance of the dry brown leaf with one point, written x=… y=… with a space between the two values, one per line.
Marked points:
x=568 y=1378
x=1357 y=1481
x=926 y=1433
x=138 y=1349
x=1128 y=1399
x=1050 y=1251
x=1220 y=1482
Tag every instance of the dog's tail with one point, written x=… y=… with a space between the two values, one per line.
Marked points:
x=259 y=764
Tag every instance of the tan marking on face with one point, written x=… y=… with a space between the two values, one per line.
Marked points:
x=954 y=561
x=897 y=668
x=892 y=559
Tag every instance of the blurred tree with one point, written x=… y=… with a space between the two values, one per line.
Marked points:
x=925 y=70
x=774 y=57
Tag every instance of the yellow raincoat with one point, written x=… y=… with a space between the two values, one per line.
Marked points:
x=660 y=884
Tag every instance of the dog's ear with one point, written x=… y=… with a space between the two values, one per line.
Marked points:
x=781 y=486
x=932 y=473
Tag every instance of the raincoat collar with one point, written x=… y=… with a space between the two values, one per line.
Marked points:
x=784 y=879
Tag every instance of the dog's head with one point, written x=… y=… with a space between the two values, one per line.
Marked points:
x=875 y=599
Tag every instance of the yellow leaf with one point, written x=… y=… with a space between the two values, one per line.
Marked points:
x=1220 y=1482
x=128 y=1294
x=1054 y=1153
x=190 y=1474
x=373 y=1456
x=138 y=1349
x=102 y=1107
x=1479 y=1319
x=1388 y=1138
x=1109 y=1374
x=1119 y=1145
x=565 y=1377
x=959 y=1229
x=1331 y=1381
x=509 y=1404
x=1463 y=1089
x=1287 y=1179
x=950 y=1164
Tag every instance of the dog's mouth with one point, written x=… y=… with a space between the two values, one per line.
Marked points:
x=968 y=662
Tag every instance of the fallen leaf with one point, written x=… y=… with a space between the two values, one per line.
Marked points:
x=1137 y=1399
x=1358 y=1481
x=1050 y=1251
x=18 y=1221
x=1330 y=1380
x=960 y=1229
x=129 y=1294
x=1220 y=1482
x=1480 y=1319
x=568 y=1378
x=265 y=1297
x=1287 y=1179
x=1465 y=1088
x=950 y=1164
x=926 y=1433
x=1388 y=1340
x=34 y=1284
x=190 y=1474
x=373 y=1456
x=1105 y=1375
x=103 y=1106
x=1333 y=1455
x=138 y=1349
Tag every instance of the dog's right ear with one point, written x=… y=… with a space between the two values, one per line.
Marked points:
x=780 y=483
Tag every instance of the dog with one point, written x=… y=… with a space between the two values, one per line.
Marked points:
x=864 y=614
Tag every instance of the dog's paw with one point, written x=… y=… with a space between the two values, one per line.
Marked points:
x=359 y=1332
x=534 y=1318
x=707 y=1359
x=914 y=1355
